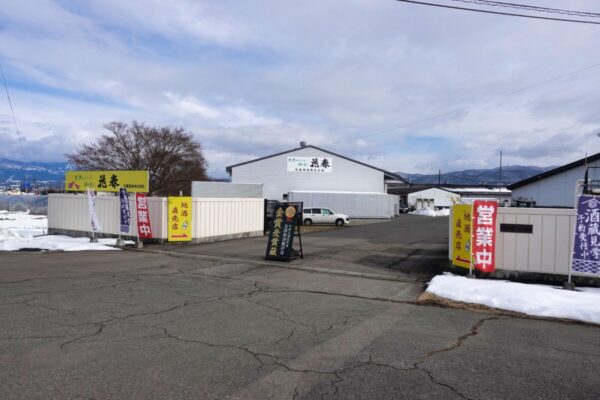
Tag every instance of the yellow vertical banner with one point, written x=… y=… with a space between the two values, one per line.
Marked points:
x=461 y=235
x=180 y=219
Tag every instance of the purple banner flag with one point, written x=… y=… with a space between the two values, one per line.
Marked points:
x=586 y=251
x=125 y=212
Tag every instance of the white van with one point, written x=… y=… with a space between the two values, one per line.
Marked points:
x=324 y=216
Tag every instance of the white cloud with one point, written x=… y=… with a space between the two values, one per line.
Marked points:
x=253 y=78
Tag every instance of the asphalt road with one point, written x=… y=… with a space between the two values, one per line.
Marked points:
x=140 y=325
x=406 y=247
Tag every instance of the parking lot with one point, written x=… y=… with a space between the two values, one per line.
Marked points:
x=409 y=247
x=215 y=321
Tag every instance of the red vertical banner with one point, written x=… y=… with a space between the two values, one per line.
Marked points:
x=143 y=216
x=484 y=234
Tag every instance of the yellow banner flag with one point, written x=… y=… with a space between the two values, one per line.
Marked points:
x=107 y=181
x=180 y=219
x=461 y=235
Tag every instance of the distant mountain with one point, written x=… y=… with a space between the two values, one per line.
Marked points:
x=11 y=170
x=510 y=174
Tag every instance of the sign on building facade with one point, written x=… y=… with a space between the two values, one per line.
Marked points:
x=107 y=181
x=586 y=251
x=461 y=235
x=180 y=219
x=483 y=237
x=309 y=164
x=281 y=236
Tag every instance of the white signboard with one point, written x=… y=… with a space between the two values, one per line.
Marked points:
x=309 y=164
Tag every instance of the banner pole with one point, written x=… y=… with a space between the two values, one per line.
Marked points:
x=471 y=245
x=138 y=244
x=568 y=285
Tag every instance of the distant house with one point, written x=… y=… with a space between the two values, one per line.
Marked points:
x=432 y=198
x=556 y=187
x=435 y=196
x=470 y=193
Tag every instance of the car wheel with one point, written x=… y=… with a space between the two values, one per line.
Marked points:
x=339 y=222
x=308 y=222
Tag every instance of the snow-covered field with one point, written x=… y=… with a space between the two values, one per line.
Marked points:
x=530 y=299
x=20 y=230
x=428 y=212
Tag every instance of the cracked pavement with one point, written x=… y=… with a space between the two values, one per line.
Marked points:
x=137 y=325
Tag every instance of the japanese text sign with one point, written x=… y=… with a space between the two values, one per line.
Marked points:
x=143 y=216
x=180 y=219
x=461 y=235
x=586 y=251
x=281 y=236
x=483 y=237
x=107 y=181
x=125 y=214
x=309 y=164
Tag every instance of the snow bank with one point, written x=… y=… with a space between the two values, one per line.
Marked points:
x=530 y=299
x=428 y=212
x=21 y=225
x=20 y=230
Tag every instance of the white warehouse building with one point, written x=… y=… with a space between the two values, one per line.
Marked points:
x=312 y=174
x=556 y=187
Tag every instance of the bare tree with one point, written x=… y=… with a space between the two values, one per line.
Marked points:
x=172 y=155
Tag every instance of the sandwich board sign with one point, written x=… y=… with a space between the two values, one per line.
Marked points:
x=281 y=235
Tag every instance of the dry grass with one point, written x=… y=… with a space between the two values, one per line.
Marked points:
x=430 y=299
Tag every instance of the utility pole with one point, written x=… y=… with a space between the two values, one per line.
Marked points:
x=500 y=171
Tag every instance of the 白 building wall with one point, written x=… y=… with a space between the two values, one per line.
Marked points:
x=273 y=173
x=353 y=204
x=556 y=190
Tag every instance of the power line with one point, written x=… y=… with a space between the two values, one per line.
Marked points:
x=531 y=8
x=499 y=12
x=466 y=107
x=12 y=111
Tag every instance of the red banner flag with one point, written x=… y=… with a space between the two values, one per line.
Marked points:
x=484 y=234
x=143 y=216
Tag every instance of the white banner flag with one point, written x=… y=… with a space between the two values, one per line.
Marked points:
x=94 y=223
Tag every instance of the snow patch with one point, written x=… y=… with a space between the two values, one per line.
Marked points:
x=530 y=299
x=428 y=212
x=20 y=230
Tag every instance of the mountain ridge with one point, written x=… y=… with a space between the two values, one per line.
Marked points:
x=486 y=176
x=13 y=170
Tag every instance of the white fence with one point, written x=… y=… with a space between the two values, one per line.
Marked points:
x=547 y=250
x=213 y=219
x=218 y=219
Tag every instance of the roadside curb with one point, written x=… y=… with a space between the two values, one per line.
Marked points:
x=305 y=268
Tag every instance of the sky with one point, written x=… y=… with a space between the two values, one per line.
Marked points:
x=400 y=86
